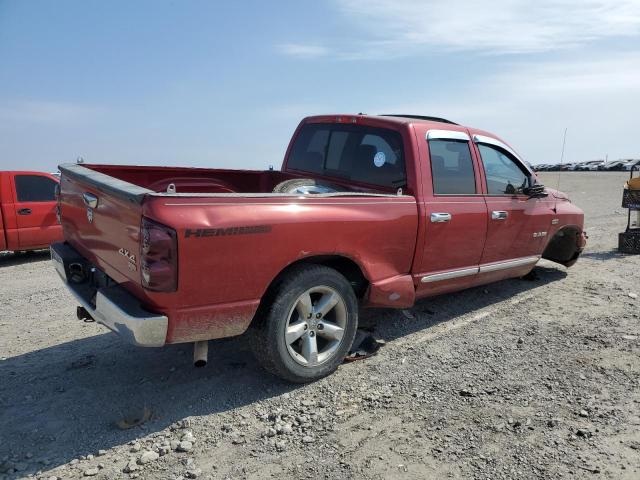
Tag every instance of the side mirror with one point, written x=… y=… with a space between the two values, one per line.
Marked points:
x=535 y=191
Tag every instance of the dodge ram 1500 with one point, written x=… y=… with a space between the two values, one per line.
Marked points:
x=367 y=211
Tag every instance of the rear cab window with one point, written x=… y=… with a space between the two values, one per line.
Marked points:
x=35 y=188
x=358 y=153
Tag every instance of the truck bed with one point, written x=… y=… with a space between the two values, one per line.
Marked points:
x=233 y=236
x=197 y=180
x=194 y=180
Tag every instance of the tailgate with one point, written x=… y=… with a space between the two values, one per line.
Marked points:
x=101 y=219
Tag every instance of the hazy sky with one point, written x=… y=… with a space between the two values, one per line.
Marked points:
x=224 y=83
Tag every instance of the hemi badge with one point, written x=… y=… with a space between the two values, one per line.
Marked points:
x=555 y=221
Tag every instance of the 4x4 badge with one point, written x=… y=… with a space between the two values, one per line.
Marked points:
x=130 y=256
x=90 y=215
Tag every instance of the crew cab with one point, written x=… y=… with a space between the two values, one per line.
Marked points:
x=28 y=211
x=367 y=211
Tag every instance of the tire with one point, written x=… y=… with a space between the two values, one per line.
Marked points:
x=282 y=338
x=306 y=186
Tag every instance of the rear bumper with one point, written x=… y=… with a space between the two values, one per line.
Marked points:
x=110 y=304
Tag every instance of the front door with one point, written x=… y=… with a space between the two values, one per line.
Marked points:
x=518 y=224
x=456 y=213
x=35 y=210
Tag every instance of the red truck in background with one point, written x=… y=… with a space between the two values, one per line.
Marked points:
x=28 y=210
x=367 y=211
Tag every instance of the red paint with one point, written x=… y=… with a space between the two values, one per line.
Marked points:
x=222 y=278
x=26 y=225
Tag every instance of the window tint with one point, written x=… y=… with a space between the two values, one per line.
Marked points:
x=336 y=147
x=35 y=188
x=504 y=175
x=309 y=149
x=354 y=152
x=451 y=167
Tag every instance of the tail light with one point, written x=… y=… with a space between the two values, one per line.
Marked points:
x=158 y=257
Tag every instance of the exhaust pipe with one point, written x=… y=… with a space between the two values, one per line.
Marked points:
x=200 y=351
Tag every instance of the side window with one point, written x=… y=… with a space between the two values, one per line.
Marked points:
x=504 y=175
x=452 y=167
x=35 y=188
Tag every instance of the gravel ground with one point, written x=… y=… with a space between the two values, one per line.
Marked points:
x=518 y=379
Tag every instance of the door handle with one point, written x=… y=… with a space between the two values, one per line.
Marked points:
x=499 y=215
x=440 y=217
x=24 y=211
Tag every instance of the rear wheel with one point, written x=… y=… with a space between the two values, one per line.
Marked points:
x=308 y=327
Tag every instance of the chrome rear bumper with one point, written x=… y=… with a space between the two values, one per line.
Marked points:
x=113 y=307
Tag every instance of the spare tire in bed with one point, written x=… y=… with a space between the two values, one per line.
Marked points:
x=306 y=185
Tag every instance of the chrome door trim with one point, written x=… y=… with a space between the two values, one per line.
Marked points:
x=504 y=146
x=517 y=262
x=440 y=217
x=497 y=143
x=485 y=268
x=447 y=135
x=436 y=277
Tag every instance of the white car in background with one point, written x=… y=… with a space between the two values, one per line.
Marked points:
x=576 y=165
x=592 y=166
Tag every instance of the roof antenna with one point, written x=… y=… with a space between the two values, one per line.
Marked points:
x=564 y=140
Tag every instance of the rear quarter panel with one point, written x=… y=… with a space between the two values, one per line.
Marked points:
x=245 y=243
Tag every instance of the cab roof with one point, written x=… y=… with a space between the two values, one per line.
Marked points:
x=424 y=121
x=391 y=118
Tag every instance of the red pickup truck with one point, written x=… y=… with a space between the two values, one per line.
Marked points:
x=367 y=211
x=28 y=211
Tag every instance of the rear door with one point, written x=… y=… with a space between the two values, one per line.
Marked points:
x=518 y=224
x=456 y=213
x=35 y=205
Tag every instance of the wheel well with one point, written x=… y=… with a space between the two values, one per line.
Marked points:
x=563 y=246
x=347 y=267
